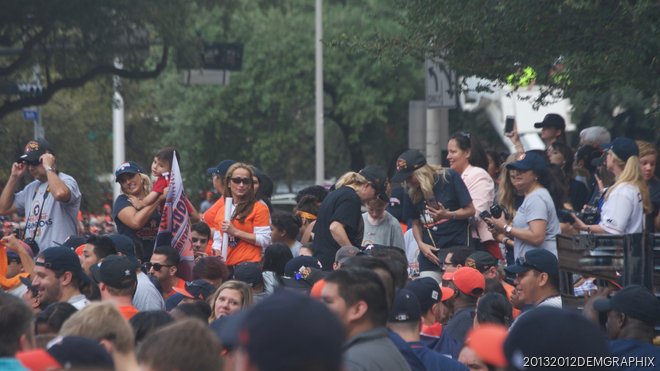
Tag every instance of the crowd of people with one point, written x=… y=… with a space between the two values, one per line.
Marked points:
x=423 y=267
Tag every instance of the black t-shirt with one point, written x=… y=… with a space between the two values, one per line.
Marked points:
x=452 y=193
x=579 y=194
x=341 y=205
x=144 y=237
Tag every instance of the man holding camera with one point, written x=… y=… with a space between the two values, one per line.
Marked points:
x=50 y=203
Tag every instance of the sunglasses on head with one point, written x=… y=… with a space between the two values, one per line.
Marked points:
x=156 y=266
x=237 y=180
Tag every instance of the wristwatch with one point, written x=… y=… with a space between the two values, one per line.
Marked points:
x=48 y=168
x=508 y=228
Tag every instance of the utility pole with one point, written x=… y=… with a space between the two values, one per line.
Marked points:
x=39 y=131
x=320 y=147
x=118 y=151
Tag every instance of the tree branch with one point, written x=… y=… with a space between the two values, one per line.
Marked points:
x=67 y=83
x=25 y=54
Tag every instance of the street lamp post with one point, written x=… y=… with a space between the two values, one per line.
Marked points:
x=320 y=150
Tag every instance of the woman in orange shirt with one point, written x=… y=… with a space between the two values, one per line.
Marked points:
x=249 y=227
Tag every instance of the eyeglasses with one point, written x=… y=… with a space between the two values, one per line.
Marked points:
x=237 y=180
x=202 y=240
x=156 y=266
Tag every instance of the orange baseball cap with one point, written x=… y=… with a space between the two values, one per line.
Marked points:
x=487 y=341
x=38 y=360
x=447 y=293
x=317 y=289
x=469 y=281
x=79 y=249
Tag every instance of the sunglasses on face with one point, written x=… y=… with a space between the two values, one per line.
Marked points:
x=156 y=266
x=125 y=178
x=237 y=180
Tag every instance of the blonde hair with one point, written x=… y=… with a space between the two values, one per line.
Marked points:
x=247 y=298
x=506 y=193
x=427 y=176
x=351 y=179
x=98 y=321
x=631 y=174
x=646 y=148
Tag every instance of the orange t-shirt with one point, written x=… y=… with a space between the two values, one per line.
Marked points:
x=180 y=284
x=8 y=283
x=128 y=311
x=209 y=217
x=434 y=330
x=244 y=251
x=509 y=289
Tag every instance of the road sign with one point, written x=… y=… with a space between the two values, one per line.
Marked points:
x=205 y=77
x=223 y=56
x=30 y=114
x=440 y=92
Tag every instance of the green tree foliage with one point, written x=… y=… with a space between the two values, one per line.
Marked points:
x=608 y=49
x=265 y=115
x=75 y=41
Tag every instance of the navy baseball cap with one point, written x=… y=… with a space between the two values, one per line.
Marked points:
x=407 y=163
x=34 y=149
x=623 y=148
x=79 y=352
x=405 y=307
x=538 y=259
x=129 y=167
x=427 y=291
x=126 y=246
x=227 y=328
x=552 y=120
x=221 y=168
x=531 y=161
x=73 y=241
x=635 y=301
x=316 y=335
x=293 y=266
x=377 y=176
x=248 y=272
x=115 y=271
x=549 y=331
x=62 y=258
x=197 y=290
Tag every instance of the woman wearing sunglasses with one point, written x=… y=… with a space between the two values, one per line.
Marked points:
x=535 y=224
x=140 y=224
x=249 y=227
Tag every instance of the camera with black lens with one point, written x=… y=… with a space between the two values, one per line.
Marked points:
x=590 y=215
x=565 y=216
x=495 y=211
